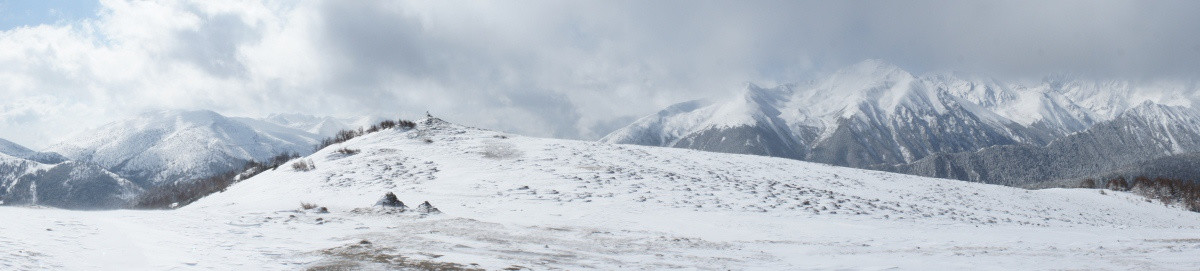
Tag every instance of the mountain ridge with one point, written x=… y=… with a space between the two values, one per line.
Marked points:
x=15 y=150
x=180 y=145
x=62 y=184
x=876 y=115
x=1146 y=132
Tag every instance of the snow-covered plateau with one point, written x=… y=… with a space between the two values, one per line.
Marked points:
x=514 y=202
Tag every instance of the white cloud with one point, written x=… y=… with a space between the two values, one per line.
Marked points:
x=548 y=68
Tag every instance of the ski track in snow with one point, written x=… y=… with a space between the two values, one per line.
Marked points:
x=518 y=202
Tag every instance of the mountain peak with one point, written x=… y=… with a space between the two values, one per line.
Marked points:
x=165 y=145
x=761 y=96
x=172 y=119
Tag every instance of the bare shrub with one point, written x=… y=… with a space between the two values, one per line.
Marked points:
x=1088 y=183
x=346 y=135
x=1118 y=184
x=498 y=150
x=387 y=124
x=304 y=165
x=406 y=125
x=1183 y=193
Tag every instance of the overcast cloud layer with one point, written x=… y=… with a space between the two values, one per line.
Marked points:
x=553 y=68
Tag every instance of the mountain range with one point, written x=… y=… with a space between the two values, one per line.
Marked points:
x=877 y=116
x=59 y=183
x=113 y=163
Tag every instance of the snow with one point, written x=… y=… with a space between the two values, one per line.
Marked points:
x=12 y=149
x=514 y=201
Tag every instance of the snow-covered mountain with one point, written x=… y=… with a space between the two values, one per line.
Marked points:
x=750 y=124
x=875 y=115
x=57 y=183
x=1143 y=133
x=174 y=145
x=107 y=166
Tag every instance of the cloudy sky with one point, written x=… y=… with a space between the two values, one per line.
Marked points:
x=570 y=69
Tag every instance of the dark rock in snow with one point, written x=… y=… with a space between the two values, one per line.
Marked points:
x=390 y=200
x=426 y=208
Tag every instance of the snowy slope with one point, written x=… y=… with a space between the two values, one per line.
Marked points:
x=172 y=145
x=12 y=168
x=15 y=150
x=487 y=166
x=520 y=202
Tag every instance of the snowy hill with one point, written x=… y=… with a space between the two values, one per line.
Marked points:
x=517 y=202
x=469 y=162
x=170 y=145
x=875 y=115
x=13 y=168
x=14 y=150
